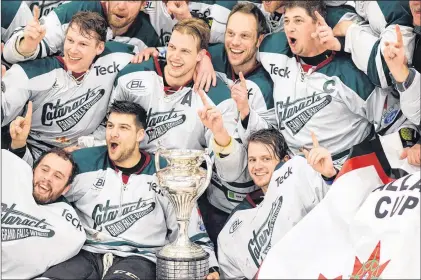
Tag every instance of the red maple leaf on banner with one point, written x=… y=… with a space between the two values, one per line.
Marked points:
x=371 y=269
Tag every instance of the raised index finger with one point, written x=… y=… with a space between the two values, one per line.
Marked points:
x=320 y=19
x=315 y=141
x=242 y=80
x=28 y=116
x=36 y=13
x=399 y=35
x=203 y=97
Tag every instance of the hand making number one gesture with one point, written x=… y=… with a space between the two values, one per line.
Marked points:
x=319 y=158
x=325 y=34
x=394 y=55
x=239 y=94
x=20 y=128
x=33 y=34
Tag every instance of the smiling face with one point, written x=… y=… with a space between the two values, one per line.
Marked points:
x=261 y=163
x=182 y=55
x=80 y=49
x=122 y=13
x=241 y=40
x=51 y=178
x=415 y=6
x=123 y=136
x=298 y=27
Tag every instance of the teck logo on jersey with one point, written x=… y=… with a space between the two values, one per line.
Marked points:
x=68 y=114
x=117 y=223
x=261 y=241
x=160 y=123
x=297 y=113
x=16 y=225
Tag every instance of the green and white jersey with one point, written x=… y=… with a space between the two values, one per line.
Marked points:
x=172 y=113
x=63 y=109
x=215 y=13
x=222 y=194
x=14 y=14
x=140 y=34
x=336 y=101
x=247 y=237
x=130 y=217
x=33 y=237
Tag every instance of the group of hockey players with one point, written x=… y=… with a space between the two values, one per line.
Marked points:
x=282 y=93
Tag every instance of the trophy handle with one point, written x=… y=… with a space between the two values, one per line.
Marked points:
x=202 y=187
x=157 y=154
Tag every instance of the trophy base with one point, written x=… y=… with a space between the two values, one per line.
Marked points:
x=169 y=268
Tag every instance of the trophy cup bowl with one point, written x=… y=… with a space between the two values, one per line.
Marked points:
x=184 y=181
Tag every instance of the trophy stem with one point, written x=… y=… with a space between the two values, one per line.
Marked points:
x=183 y=235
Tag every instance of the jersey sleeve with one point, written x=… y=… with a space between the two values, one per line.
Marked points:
x=14 y=15
x=410 y=100
x=229 y=269
x=368 y=57
x=233 y=164
x=56 y=23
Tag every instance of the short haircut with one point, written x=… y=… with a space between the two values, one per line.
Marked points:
x=196 y=28
x=273 y=138
x=90 y=22
x=309 y=6
x=251 y=9
x=130 y=108
x=64 y=155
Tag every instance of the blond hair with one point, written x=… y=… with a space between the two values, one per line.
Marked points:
x=196 y=28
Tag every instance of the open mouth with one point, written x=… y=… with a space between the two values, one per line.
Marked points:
x=43 y=188
x=176 y=65
x=292 y=41
x=113 y=146
x=74 y=58
x=236 y=52
x=119 y=16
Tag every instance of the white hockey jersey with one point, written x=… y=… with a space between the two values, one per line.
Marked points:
x=140 y=33
x=45 y=6
x=335 y=100
x=367 y=227
x=294 y=190
x=127 y=219
x=214 y=12
x=14 y=14
x=172 y=118
x=63 y=110
x=34 y=237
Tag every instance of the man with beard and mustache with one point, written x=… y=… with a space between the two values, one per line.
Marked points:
x=44 y=37
x=126 y=216
x=36 y=219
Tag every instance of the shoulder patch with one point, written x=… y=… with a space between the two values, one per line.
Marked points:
x=91 y=159
x=219 y=93
x=37 y=67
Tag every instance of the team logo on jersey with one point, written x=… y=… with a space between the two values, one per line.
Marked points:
x=261 y=241
x=45 y=6
x=235 y=225
x=68 y=114
x=16 y=225
x=160 y=123
x=116 y=223
x=296 y=114
x=136 y=84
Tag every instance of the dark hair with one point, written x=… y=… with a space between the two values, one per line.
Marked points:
x=197 y=28
x=90 y=22
x=131 y=108
x=64 y=155
x=251 y=9
x=309 y=6
x=273 y=138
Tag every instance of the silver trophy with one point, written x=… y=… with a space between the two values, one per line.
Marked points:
x=184 y=181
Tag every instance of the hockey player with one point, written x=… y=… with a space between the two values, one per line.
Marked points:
x=290 y=190
x=126 y=216
x=316 y=89
x=45 y=37
x=164 y=89
x=36 y=219
x=70 y=93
